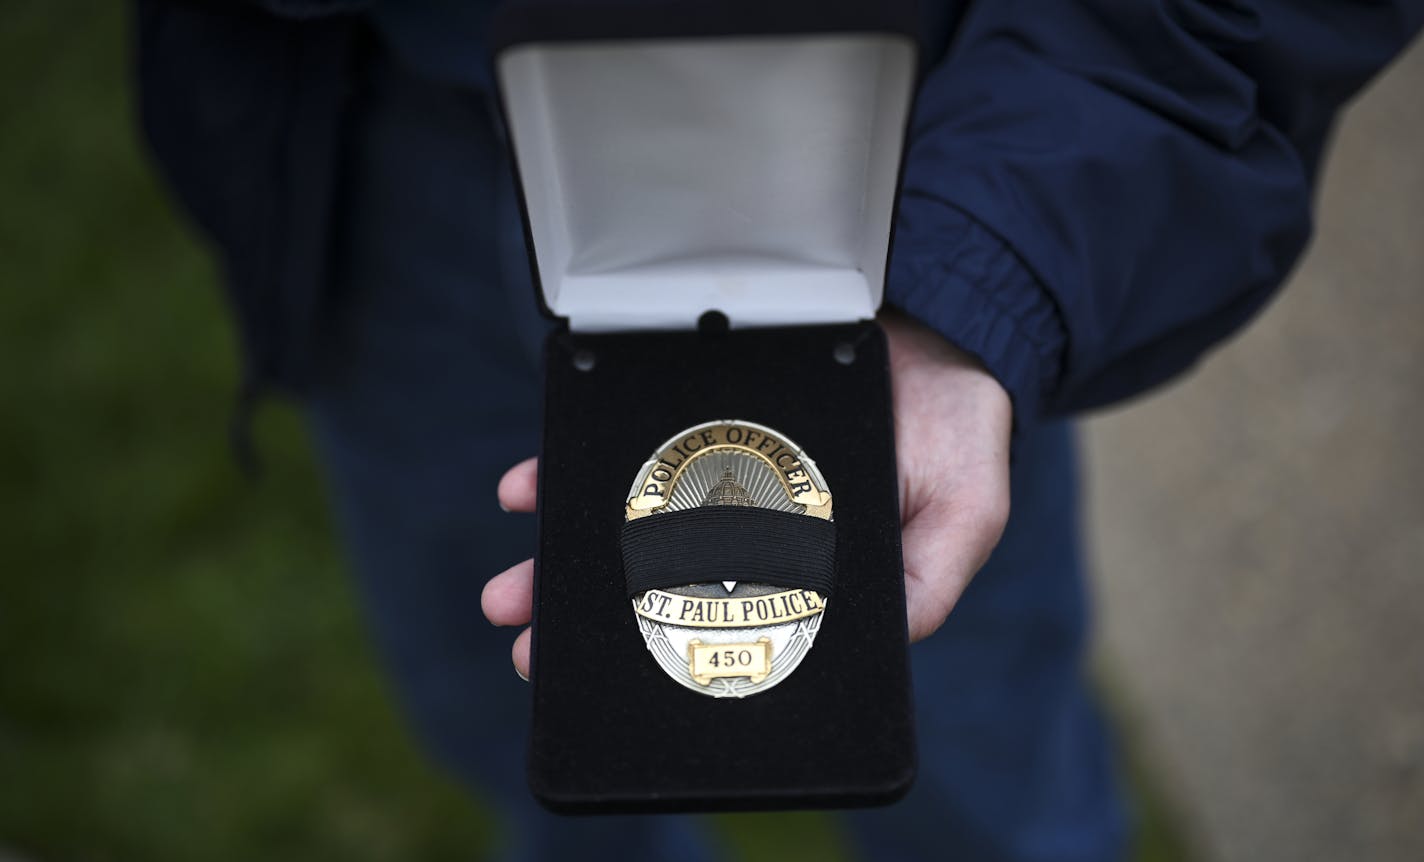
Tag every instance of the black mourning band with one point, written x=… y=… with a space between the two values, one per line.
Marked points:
x=709 y=544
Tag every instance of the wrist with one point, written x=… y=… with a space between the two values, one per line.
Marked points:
x=926 y=365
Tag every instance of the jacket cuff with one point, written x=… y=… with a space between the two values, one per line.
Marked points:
x=949 y=272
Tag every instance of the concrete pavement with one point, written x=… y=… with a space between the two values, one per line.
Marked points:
x=1259 y=535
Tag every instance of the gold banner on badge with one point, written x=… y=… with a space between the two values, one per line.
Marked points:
x=660 y=475
x=707 y=662
x=709 y=613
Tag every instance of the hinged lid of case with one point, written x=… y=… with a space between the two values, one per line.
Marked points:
x=709 y=164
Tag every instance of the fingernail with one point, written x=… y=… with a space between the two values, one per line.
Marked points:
x=520 y=674
x=503 y=508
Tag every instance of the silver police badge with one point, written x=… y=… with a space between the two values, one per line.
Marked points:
x=729 y=637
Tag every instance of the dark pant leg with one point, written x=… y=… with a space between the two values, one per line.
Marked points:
x=430 y=390
x=1015 y=763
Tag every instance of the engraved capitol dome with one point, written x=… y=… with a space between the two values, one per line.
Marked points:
x=728 y=493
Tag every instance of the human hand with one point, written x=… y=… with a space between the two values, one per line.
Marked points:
x=952 y=423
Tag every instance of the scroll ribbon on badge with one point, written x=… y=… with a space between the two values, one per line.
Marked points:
x=712 y=613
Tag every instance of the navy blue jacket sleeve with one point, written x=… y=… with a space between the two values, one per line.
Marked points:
x=1097 y=191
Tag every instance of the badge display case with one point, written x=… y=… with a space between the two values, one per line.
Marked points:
x=708 y=194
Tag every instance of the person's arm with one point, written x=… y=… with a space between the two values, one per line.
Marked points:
x=1098 y=191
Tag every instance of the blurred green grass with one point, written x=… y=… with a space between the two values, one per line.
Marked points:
x=182 y=669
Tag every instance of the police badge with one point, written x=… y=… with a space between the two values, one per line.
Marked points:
x=729 y=556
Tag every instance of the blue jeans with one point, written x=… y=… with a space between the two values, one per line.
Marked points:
x=430 y=390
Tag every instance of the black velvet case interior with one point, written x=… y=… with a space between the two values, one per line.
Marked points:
x=611 y=732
